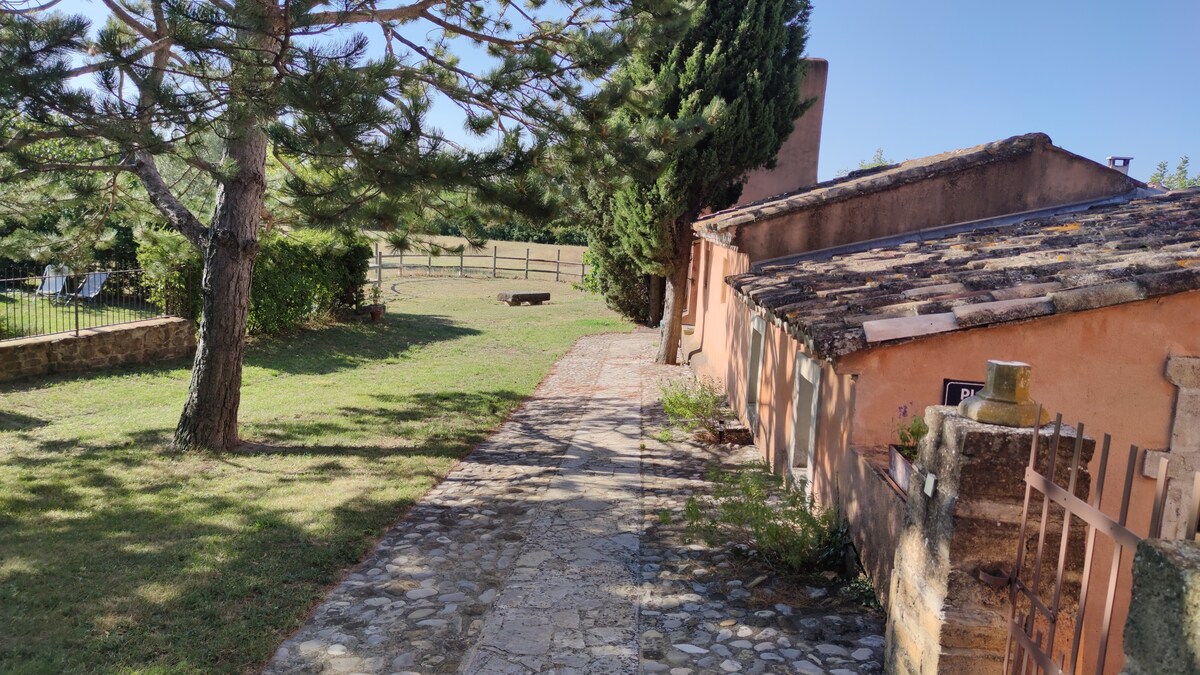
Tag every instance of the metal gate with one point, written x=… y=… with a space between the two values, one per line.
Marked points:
x=1044 y=632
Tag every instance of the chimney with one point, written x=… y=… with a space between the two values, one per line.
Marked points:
x=796 y=163
x=1120 y=164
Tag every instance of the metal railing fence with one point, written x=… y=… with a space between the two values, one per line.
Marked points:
x=60 y=300
x=1050 y=598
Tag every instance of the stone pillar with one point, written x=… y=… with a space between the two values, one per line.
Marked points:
x=1162 y=633
x=941 y=617
x=1184 y=453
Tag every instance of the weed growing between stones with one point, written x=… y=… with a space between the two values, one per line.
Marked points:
x=860 y=591
x=693 y=406
x=778 y=519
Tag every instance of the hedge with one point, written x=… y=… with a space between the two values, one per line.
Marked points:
x=298 y=276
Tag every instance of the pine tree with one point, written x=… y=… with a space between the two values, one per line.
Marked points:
x=1179 y=180
x=300 y=80
x=735 y=79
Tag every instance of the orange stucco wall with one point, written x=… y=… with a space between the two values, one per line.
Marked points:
x=840 y=477
x=716 y=348
x=1103 y=367
x=1043 y=178
x=1121 y=352
x=796 y=162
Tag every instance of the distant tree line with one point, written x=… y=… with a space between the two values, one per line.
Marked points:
x=1180 y=179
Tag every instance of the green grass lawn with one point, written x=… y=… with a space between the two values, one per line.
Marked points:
x=24 y=314
x=117 y=555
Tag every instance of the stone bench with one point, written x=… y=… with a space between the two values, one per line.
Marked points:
x=514 y=298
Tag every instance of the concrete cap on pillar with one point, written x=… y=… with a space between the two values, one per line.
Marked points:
x=1004 y=399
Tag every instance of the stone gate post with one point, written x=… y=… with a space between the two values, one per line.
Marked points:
x=962 y=524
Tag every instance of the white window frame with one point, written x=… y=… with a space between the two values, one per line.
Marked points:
x=806 y=411
x=758 y=339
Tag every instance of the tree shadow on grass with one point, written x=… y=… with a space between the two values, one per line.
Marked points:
x=144 y=438
x=404 y=418
x=181 y=582
x=11 y=421
x=319 y=352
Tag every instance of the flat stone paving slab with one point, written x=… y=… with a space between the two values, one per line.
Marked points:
x=542 y=552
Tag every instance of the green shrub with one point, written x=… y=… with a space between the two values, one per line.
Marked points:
x=612 y=274
x=911 y=433
x=7 y=331
x=691 y=405
x=305 y=274
x=757 y=509
x=298 y=276
x=173 y=269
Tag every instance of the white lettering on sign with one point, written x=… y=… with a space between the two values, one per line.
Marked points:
x=957 y=391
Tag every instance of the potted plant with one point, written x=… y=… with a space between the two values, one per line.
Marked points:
x=376 y=307
x=902 y=454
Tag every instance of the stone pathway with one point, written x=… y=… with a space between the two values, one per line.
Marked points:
x=542 y=552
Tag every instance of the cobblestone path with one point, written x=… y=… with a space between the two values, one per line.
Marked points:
x=542 y=552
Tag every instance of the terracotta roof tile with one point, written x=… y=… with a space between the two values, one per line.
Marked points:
x=1087 y=260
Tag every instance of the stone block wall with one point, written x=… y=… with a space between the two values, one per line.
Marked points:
x=941 y=617
x=1162 y=633
x=140 y=342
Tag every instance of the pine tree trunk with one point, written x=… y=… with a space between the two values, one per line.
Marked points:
x=209 y=419
x=676 y=293
x=656 y=300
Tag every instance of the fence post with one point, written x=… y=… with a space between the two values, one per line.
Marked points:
x=493 y=262
x=460 y=263
x=378 y=267
x=430 y=263
x=558 y=265
x=526 y=263
x=76 y=303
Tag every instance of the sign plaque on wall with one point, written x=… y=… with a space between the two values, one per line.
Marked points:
x=957 y=391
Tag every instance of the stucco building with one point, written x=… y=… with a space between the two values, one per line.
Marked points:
x=1013 y=179
x=1097 y=301
x=830 y=311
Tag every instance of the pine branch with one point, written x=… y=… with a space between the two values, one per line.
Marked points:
x=142 y=163
x=372 y=14
x=13 y=7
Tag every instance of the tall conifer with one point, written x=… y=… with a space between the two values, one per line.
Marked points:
x=734 y=78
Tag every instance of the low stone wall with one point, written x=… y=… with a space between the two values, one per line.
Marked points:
x=875 y=512
x=140 y=342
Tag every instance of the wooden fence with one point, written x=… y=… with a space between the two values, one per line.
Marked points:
x=478 y=264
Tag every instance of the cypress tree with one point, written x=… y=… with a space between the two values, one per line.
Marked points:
x=735 y=79
x=301 y=81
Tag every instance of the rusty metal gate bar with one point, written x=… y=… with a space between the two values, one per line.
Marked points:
x=1031 y=641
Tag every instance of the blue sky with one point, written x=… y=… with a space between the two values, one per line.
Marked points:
x=917 y=78
x=1100 y=77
